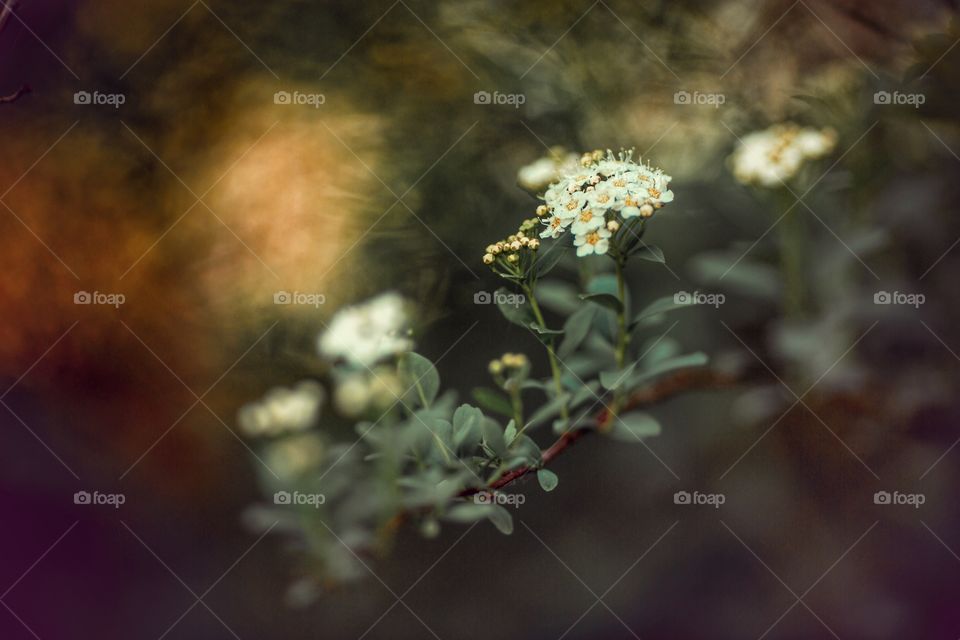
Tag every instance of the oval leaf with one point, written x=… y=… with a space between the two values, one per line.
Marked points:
x=548 y=479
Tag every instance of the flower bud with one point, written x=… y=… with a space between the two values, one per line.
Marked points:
x=488 y=258
x=534 y=244
x=646 y=211
x=495 y=367
x=490 y=248
x=512 y=257
x=613 y=225
x=515 y=245
x=542 y=210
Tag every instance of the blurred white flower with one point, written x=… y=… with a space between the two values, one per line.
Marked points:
x=292 y=457
x=368 y=332
x=771 y=157
x=283 y=410
x=356 y=392
x=539 y=174
x=599 y=190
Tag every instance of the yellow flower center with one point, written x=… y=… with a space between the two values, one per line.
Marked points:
x=603 y=198
x=619 y=182
x=593 y=238
x=654 y=192
x=630 y=202
x=586 y=216
x=572 y=205
x=555 y=223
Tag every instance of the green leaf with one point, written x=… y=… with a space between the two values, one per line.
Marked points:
x=510 y=432
x=492 y=401
x=584 y=393
x=548 y=479
x=493 y=437
x=501 y=519
x=651 y=253
x=696 y=359
x=634 y=426
x=605 y=300
x=576 y=329
x=525 y=446
x=603 y=283
x=516 y=313
x=544 y=331
x=659 y=306
x=466 y=427
x=558 y=296
x=614 y=379
x=468 y=512
x=424 y=375
x=548 y=410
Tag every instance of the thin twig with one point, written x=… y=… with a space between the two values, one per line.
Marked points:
x=679 y=382
x=23 y=90
x=5 y=14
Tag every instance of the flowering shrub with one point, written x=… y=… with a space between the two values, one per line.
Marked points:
x=425 y=457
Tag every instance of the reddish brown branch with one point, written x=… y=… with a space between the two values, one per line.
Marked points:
x=5 y=12
x=16 y=95
x=679 y=382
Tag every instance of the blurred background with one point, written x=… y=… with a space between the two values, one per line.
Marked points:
x=195 y=159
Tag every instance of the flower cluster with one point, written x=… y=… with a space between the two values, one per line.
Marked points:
x=366 y=333
x=508 y=362
x=283 y=411
x=771 y=157
x=595 y=199
x=512 y=249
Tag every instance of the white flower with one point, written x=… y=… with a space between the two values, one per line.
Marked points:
x=368 y=332
x=293 y=457
x=587 y=220
x=606 y=189
x=555 y=226
x=773 y=156
x=543 y=172
x=283 y=410
x=358 y=391
x=596 y=241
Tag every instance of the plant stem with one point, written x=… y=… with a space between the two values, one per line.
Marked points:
x=791 y=264
x=551 y=354
x=623 y=336
x=667 y=387
x=517 y=404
